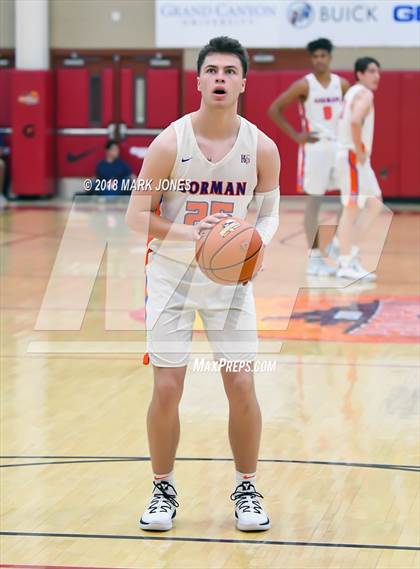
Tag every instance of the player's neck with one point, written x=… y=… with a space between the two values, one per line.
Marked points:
x=215 y=123
x=324 y=77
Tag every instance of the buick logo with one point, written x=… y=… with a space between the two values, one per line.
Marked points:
x=300 y=14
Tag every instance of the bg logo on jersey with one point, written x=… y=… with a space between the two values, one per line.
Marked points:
x=407 y=13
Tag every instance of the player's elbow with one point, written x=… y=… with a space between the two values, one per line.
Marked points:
x=136 y=221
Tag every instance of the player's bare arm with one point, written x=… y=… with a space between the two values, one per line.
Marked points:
x=297 y=91
x=141 y=214
x=345 y=85
x=267 y=191
x=361 y=106
x=268 y=164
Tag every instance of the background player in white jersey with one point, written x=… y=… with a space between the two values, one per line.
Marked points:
x=320 y=97
x=360 y=191
x=228 y=161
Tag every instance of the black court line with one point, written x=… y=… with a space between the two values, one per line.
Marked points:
x=93 y=459
x=212 y=540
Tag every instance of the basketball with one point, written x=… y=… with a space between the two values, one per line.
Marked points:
x=231 y=252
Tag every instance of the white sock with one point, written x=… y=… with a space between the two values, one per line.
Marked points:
x=315 y=253
x=344 y=260
x=355 y=250
x=165 y=478
x=336 y=242
x=246 y=477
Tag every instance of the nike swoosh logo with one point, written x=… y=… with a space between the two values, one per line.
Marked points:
x=186 y=159
x=247 y=477
x=75 y=157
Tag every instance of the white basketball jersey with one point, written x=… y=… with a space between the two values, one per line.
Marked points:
x=345 y=138
x=204 y=187
x=322 y=107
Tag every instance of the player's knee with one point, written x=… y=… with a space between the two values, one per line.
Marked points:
x=168 y=391
x=239 y=387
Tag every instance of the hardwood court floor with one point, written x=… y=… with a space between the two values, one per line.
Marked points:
x=340 y=450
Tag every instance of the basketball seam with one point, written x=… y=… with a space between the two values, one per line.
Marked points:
x=234 y=265
x=227 y=243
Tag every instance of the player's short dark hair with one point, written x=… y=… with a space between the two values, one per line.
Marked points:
x=224 y=44
x=321 y=43
x=363 y=63
x=109 y=143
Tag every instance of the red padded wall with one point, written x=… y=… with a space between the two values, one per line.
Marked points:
x=386 y=141
x=5 y=108
x=107 y=79
x=127 y=96
x=72 y=96
x=32 y=137
x=410 y=135
x=162 y=96
x=191 y=96
x=78 y=155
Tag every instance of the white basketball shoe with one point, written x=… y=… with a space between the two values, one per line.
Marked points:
x=355 y=271
x=249 y=514
x=162 y=508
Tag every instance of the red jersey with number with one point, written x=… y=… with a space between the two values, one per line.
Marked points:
x=321 y=110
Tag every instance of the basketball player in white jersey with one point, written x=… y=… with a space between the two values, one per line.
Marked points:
x=227 y=161
x=320 y=96
x=360 y=191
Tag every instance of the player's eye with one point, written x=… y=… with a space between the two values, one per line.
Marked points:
x=231 y=71
x=211 y=70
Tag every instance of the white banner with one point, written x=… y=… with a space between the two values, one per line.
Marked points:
x=288 y=23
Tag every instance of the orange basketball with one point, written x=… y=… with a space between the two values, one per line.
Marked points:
x=231 y=252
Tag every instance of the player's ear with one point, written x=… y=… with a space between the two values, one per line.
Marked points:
x=198 y=84
x=243 y=85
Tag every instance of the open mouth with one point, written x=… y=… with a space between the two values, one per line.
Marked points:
x=219 y=91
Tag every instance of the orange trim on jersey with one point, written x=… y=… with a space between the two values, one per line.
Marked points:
x=300 y=170
x=354 y=177
x=146 y=357
x=303 y=118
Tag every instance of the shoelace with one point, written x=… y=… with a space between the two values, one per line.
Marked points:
x=161 y=499
x=246 y=498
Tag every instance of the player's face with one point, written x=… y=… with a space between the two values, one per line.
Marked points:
x=113 y=152
x=370 y=78
x=321 y=60
x=221 y=80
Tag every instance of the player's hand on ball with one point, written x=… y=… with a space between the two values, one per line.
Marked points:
x=304 y=137
x=206 y=224
x=256 y=274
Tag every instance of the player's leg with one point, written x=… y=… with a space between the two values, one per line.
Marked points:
x=315 y=183
x=163 y=431
x=311 y=220
x=355 y=185
x=163 y=426
x=232 y=333
x=169 y=322
x=370 y=211
x=244 y=416
x=244 y=438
